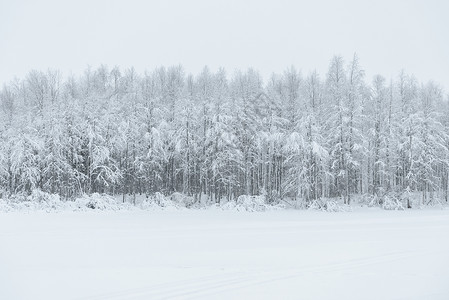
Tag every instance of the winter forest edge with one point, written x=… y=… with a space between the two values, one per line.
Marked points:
x=295 y=138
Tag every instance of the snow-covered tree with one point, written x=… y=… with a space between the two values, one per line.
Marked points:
x=214 y=136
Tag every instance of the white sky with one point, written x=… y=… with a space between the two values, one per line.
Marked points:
x=266 y=35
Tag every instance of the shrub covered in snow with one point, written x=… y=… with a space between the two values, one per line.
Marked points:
x=42 y=201
x=4 y=206
x=182 y=200
x=156 y=198
x=101 y=202
x=48 y=201
x=392 y=203
x=388 y=201
x=329 y=205
x=159 y=201
x=37 y=200
x=250 y=203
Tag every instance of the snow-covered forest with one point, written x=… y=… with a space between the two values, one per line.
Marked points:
x=290 y=136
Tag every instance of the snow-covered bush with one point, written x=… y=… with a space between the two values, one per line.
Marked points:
x=373 y=200
x=101 y=202
x=37 y=200
x=392 y=203
x=252 y=203
x=334 y=206
x=18 y=197
x=157 y=198
x=247 y=203
x=329 y=205
x=388 y=201
x=80 y=204
x=159 y=201
x=46 y=200
x=4 y=206
x=316 y=204
x=181 y=199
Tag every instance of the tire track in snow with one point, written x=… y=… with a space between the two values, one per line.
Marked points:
x=169 y=286
x=209 y=285
x=351 y=264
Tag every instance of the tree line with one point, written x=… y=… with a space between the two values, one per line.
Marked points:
x=301 y=137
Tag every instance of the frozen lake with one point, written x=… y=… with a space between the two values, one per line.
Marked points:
x=212 y=254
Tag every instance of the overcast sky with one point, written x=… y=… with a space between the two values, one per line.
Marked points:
x=266 y=35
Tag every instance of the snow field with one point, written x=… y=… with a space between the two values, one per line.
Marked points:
x=215 y=254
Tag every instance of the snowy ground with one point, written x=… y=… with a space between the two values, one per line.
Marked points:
x=214 y=254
